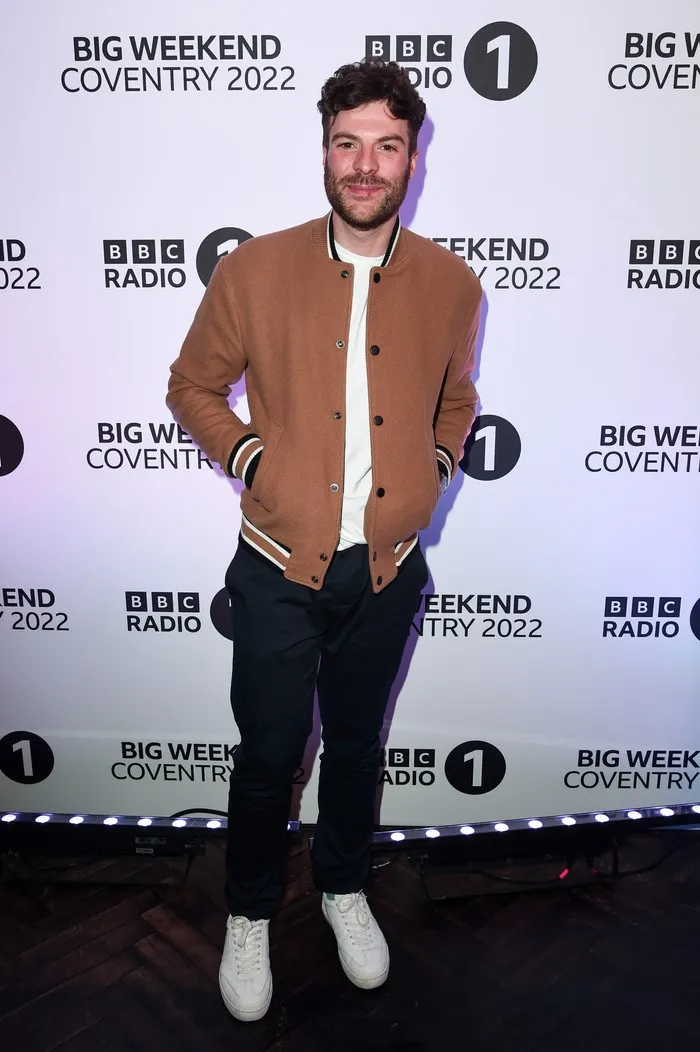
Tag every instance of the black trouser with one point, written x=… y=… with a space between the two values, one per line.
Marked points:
x=346 y=642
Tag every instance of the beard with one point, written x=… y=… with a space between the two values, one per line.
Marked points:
x=356 y=214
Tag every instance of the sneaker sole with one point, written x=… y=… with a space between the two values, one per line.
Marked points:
x=245 y=1015
x=361 y=981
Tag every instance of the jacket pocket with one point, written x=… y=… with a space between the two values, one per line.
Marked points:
x=259 y=488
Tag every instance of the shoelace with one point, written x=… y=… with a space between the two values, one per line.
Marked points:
x=355 y=914
x=247 y=937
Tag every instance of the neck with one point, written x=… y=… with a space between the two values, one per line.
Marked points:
x=363 y=242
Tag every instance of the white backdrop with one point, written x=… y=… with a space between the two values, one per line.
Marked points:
x=554 y=665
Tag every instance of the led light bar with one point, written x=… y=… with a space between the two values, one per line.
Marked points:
x=195 y=823
x=649 y=815
x=206 y=825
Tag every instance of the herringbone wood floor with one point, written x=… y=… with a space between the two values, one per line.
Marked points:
x=106 y=968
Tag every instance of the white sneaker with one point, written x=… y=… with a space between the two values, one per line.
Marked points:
x=245 y=979
x=362 y=949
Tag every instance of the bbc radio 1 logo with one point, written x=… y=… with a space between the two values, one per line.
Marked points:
x=475 y=767
x=144 y=263
x=433 y=53
x=646 y=617
x=215 y=246
x=166 y=612
x=25 y=757
x=11 y=446
x=220 y=614
x=492 y=449
x=162 y=612
x=499 y=62
x=664 y=264
x=149 y=263
x=654 y=62
x=407 y=767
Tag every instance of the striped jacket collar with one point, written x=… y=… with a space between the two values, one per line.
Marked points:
x=397 y=251
x=389 y=248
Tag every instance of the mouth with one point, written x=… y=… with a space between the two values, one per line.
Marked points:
x=363 y=190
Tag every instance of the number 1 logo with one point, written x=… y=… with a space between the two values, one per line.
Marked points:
x=11 y=446
x=25 y=757
x=492 y=449
x=219 y=243
x=500 y=61
x=475 y=768
x=220 y=612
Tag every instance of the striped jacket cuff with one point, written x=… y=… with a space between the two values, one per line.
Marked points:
x=445 y=462
x=244 y=459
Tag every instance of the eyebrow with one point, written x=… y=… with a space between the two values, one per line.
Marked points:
x=356 y=138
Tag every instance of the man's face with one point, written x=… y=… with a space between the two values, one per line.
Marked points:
x=366 y=167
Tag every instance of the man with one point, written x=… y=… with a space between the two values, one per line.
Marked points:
x=357 y=342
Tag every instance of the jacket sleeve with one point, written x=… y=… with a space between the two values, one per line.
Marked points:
x=457 y=406
x=211 y=360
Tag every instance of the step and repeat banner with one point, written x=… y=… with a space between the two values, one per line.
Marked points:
x=554 y=662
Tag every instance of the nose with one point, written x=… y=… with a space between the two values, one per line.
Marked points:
x=365 y=160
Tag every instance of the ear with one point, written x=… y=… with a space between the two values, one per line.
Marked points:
x=412 y=163
x=325 y=155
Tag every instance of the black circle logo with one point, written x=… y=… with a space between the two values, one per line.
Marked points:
x=500 y=61
x=215 y=245
x=475 y=768
x=220 y=612
x=11 y=446
x=695 y=620
x=492 y=449
x=25 y=757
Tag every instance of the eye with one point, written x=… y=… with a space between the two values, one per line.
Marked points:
x=388 y=146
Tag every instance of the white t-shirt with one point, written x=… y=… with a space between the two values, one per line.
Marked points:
x=358 y=453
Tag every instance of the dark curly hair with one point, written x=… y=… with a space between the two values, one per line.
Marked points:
x=372 y=80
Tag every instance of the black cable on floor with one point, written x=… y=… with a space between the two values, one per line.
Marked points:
x=615 y=873
x=662 y=858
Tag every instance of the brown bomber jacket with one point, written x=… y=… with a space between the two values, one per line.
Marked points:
x=278 y=310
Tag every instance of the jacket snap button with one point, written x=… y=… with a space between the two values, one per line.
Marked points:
x=377 y=278
x=374 y=349
x=345 y=273
x=314 y=580
x=380 y=492
x=340 y=343
x=337 y=416
x=334 y=487
x=323 y=557
x=379 y=420
x=379 y=580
